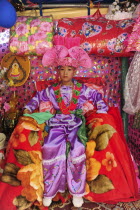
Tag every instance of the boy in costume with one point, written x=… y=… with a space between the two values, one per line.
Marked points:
x=64 y=169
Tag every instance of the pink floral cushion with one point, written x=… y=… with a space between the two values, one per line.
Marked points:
x=31 y=35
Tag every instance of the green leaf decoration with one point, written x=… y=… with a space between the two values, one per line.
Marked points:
x=56 y=92
x=59 y=99
x=55 y=84
x=77 y=93
x=74 y=100
x=101 y=184
x=22 y=203
x=68 y=146
x=33 y=138
x=9 y=174
x=101 y=135
x=79 y=84
x=23 y=38
x=23 y=157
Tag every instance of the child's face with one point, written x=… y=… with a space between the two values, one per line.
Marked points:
x=66 y=73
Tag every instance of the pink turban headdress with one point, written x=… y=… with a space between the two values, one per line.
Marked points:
x=61 y=55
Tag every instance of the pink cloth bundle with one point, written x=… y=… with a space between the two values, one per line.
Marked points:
x=31 y=35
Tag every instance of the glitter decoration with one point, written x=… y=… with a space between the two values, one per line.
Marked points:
x=105 y=67
x=133 y=139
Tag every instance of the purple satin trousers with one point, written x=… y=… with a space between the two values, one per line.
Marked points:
x=61 y=172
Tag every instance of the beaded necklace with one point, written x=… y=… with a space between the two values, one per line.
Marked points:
x=73 y=103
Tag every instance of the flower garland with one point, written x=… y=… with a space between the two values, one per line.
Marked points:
x=72 y=106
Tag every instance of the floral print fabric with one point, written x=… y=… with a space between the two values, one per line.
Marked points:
x=108 y=164
x=31 y=35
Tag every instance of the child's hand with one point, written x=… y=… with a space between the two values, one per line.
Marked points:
x=26 y=111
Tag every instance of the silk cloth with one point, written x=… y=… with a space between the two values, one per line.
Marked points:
x=40 y=117
x=23 y=168
x=57 y=170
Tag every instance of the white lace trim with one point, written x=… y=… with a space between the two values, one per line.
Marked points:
x=51 y=161
x=78 y=159
x=63 y=157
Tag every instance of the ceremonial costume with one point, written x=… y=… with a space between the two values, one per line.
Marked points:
x=63 y=128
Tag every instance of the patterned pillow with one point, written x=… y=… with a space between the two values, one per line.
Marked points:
x=98 y=36
x=31 y=35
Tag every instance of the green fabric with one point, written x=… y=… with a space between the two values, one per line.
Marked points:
x=82 y=129
x=68 y=146
x=40 y=117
